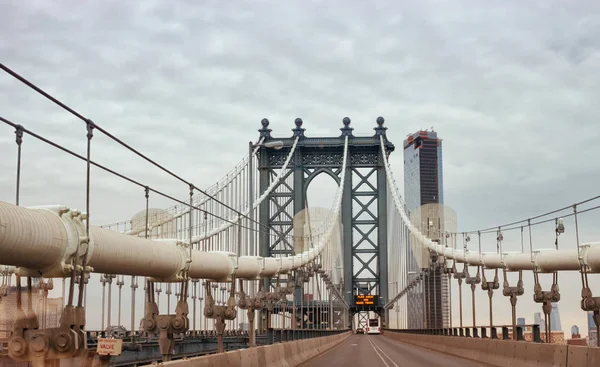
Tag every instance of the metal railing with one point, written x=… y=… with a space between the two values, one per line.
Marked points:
x=480 y=332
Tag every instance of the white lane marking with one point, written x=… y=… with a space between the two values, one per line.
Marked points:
x=353 y=345
x=382 y=352
x=379 y=355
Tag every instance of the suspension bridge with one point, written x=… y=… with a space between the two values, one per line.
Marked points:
x=250 y=274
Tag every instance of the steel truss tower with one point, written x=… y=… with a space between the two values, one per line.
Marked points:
x=364 y=204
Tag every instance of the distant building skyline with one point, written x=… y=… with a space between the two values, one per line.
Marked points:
x=555 y=322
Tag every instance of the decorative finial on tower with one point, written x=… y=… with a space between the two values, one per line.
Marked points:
x=380 y=130
x=265 y=132
x=346 y=130
x=298 y=131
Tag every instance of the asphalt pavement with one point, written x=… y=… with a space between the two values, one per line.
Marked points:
x=378 y=350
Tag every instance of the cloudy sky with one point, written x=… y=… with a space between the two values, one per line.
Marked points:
x=511 y=87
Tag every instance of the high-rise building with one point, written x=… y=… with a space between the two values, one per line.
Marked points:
x=539 y=320
x=592 y=331
x=576 y=338
x=555 y=324
x=424 y=198
x=423 y=170
x=575 y=330
x=591 y=323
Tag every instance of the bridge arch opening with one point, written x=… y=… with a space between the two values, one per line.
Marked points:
x=321 y=187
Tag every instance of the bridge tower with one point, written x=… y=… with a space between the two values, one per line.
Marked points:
x=364 y=204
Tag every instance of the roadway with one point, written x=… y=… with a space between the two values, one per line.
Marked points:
x=378 y=350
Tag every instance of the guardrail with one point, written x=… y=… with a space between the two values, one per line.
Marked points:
x=292 y=353
x=496 y=352
x=480 y=332
x=203 y=343
x=140 y=348
x=274 y=336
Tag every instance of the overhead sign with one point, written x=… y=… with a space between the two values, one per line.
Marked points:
x=109 y=347
x=366 y=300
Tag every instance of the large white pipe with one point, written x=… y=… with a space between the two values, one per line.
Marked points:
x=31 y=238
x=47 y=241
x=116 y=253
x=42 y=242
x=591 y=257
x=545 y=260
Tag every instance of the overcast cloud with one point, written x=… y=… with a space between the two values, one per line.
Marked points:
x=512 y=87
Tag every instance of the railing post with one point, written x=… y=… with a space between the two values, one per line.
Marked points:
x=504 y=333
x=484 y=333
x=468 y=332
x=270 y=336
x=461 y=331
x=494 y=332
x=537 y=338
x=520 y=333
x=475 y=332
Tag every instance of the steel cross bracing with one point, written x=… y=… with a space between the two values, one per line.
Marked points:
x=364 y=211
x=365 y=247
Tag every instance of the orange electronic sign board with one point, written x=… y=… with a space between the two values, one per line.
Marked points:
x=366 y=300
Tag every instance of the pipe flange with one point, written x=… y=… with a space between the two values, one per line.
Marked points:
x=163 y=323
x=149 y=324
x=230 y=314
x=178 y=323
x=17 y=346
x=39 y=344
x=62 y=341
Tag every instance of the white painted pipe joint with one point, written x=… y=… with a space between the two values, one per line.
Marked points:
x=590 y=255
x=43 y=240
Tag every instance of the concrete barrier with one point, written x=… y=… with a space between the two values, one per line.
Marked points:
x=504 y=352
x=287 y=354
